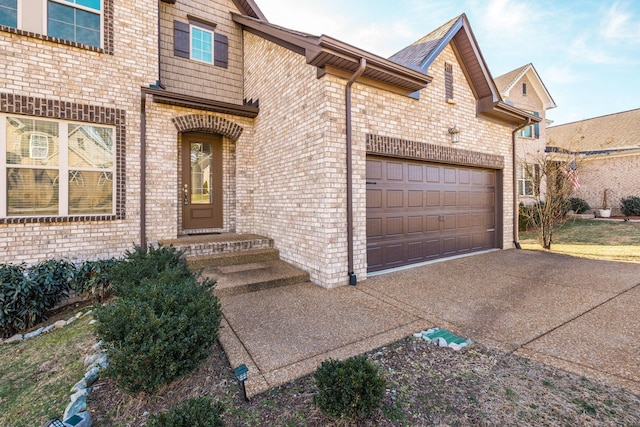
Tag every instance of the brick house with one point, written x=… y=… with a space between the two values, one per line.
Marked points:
x=608 y=153
x=140 y=122
x=523 y=88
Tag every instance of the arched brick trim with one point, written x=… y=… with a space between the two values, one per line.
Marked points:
x=208 y=124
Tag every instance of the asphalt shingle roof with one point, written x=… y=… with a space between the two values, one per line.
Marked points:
x=415 y=54
x=611 y=132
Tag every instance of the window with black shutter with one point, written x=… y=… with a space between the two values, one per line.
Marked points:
x=197 y=40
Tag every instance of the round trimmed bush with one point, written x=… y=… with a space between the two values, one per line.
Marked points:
x=630 y=206
x=350 y=389
x=160 y=329
x=578 y=205
x=194 y=412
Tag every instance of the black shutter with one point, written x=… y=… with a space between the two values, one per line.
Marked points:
x=181 y=39
x=220 y=50
x=536 y=127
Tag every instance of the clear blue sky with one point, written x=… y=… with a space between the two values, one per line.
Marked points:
x=587 y=52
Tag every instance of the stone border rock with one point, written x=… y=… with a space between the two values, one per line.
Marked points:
x=75 y=414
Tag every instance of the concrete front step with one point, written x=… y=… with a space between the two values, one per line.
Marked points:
x=254 y=276
x=203 y=262
x=210 y=244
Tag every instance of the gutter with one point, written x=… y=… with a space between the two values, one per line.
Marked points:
x=516 y=209
x=143 y=168
x=353 y=280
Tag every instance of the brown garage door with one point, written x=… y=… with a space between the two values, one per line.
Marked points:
x=420 y=211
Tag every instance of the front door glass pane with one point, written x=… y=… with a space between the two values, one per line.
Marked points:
x=201 y=172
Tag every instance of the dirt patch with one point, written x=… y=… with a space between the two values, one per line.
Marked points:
x=426 y=385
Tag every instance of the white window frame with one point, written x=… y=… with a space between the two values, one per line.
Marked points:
x=193 y=26
x=524 y=176
x=63 y=167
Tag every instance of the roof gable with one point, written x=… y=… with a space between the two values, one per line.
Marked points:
x=250 y=8
x=457 y=31
x=508 y=81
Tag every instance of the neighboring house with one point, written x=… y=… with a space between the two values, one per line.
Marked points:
x=136 y=122
x=523 y=88
x=607 y=152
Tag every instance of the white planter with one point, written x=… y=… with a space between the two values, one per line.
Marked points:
x=605 y=213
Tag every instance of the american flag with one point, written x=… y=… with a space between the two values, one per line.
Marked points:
x=572 y=174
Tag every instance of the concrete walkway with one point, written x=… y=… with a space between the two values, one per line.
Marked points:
x=577 y=314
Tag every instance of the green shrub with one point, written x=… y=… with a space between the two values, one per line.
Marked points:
x=91 y=278
x=144 y=263
x=194 y=412
x=27 y=294
x=349 y=389
x=158 y=329
x=578 y=205
x=630 y=206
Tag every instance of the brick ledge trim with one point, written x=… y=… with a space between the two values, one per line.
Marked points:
x=397 y=147
x=209 y=124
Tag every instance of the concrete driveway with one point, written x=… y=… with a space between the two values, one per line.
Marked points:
x=577 y=314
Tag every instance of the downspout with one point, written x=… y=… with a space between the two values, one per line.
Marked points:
x=143 y=168
x=516 y=208
x=353 y=280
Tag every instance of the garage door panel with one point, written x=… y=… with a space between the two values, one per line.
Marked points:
x=415 y=173
x=374 y=199
x=395 y=171
x=450 y=198
x=433 y=198
x=449 y=222
x=374 y=227
x=464 y=243
x=394 y=254
x=374 y=169
x=433 y=223
x=394 y=198
x=464 y=176
x=423 y=211
x=394 y=226
x=415 y=224
x=415 y=251
x=464 y=198
x=415 y=198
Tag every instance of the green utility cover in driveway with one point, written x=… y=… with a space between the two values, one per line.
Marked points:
x=443 y=338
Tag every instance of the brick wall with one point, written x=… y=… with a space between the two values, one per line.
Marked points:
x=37 y=67
x=297 y=184
x=617 y=173
x=197 y=78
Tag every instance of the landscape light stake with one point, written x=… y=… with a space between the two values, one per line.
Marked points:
x=241 y=375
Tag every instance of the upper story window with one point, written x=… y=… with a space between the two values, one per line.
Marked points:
x=76 y=20
x=524 y=88
x=79 y=21
x=531 y=131
x=201 y=44
x=9 y=13
x=199 y=41
x=55 y=168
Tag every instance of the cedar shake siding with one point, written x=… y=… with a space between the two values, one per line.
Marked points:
x=222 y=78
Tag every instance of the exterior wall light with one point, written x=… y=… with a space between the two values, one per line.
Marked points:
x=241 y=376
x=454 y=132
